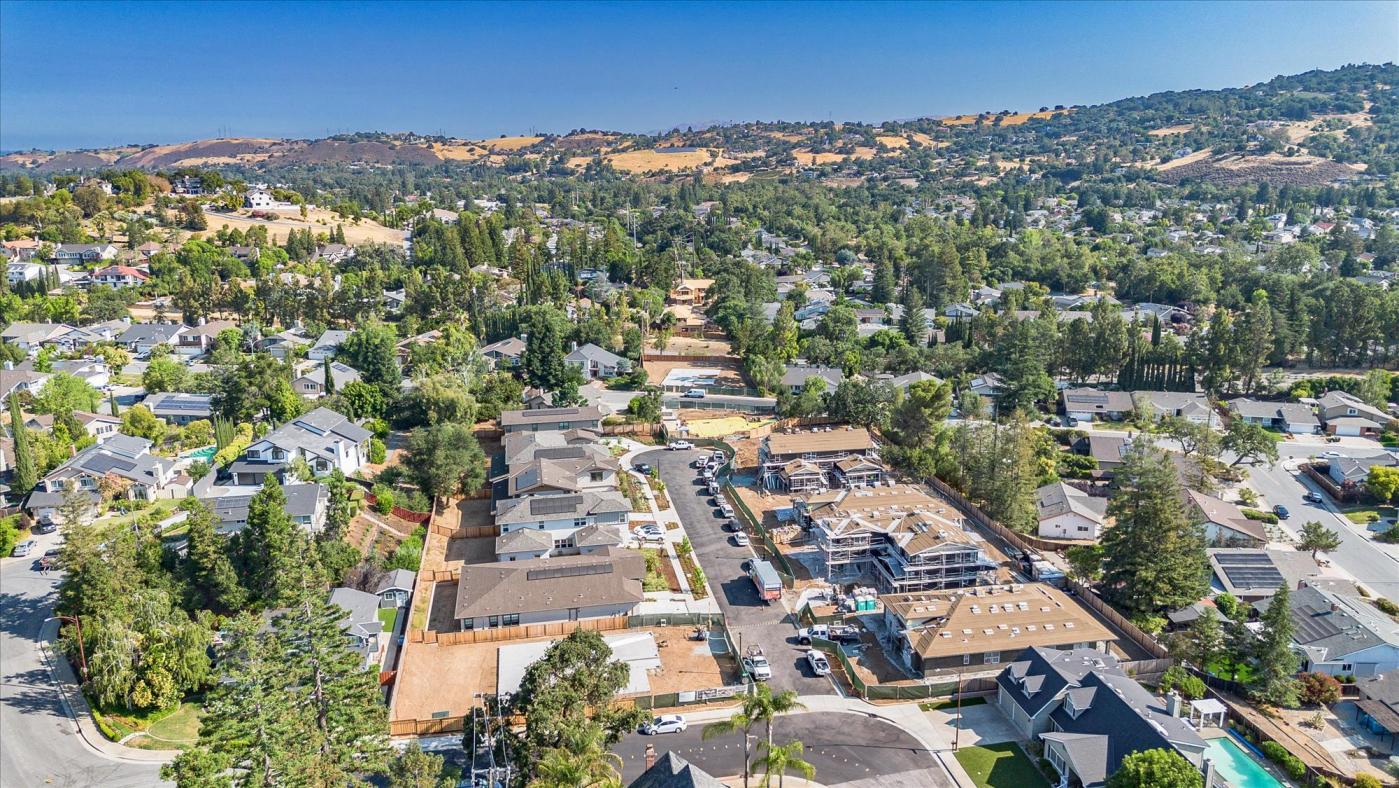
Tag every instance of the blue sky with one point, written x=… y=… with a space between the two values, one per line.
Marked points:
x=165 y=72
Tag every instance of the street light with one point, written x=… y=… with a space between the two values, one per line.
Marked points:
x=82 y=654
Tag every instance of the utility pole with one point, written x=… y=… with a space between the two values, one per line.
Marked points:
x=957 y=722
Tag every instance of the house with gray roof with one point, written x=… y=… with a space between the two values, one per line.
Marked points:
x=142 y=338
x=1346 y=414
x=361 y=622
x=1087 y=404
x=1089 y=713
x=327 y=440
x=310 y=380
x=395 y=588
x=672 y=771
x=306 y=505
x=796 y=376
x=542 y=419
x=1176 y=404
x=562 y=515
x=1292 y=417
x=506 y=353
x=180 y=408
x=1224 y=523
x=326 y=344
x=128 y=461
x=1354 y=470
x=549 y=590
x=1069 y=513
x=597 y=363
x=1340 y=634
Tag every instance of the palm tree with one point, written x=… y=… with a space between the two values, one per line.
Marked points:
x=582 y=762
x=740 y=722
x=766 y=706
x=780 y=758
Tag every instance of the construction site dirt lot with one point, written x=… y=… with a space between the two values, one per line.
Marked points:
x=443 y=680
x=657 y=369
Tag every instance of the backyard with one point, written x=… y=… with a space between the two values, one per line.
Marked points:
x=166 y=729
x=1002 y=765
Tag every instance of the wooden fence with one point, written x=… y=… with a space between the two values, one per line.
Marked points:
x=399 y=512
x=432 y=727
x=465 y=531
x=640 y=428
x=1343 y=494
x=972 y=512
x=1132 y=631
x=498 y=634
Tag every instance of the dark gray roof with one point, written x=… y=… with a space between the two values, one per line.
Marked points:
x=397 y=579
x=361 y=611
x=591 y=352
x=796 y=376
x=1046 y=671
x=1327 y=634
x=302 y=501
x=150 y=332
x=672 y=771
x=173 y=403
x=315 y=432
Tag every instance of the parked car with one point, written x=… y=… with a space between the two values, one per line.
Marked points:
x=642 y=468
x=653 y=533
x=731 y=524
x=1331 y=454
x=694 y=394
x=680 y=446
x=741 y=539
x=757 y=666
x=1281 y=512
x=46 y=527
x=666 y=723
x=1312 y=497
x=839 y=633
x=23 y=548
x=819 y=665
x=725 y=509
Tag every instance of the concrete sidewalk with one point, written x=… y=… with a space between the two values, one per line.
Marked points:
x=81 y=714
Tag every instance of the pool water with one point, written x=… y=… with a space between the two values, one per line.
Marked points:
x=204 y=454
x=1237 y=767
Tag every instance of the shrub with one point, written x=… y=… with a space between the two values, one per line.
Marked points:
x=1388 y=607
x=1289 y=762
x=409 y=551
x=1192 y=687
x=1264 y=517
x=383 y=503
x=1318 y=689
x=1367 y=781
x=1248 y=497
x=377 y=451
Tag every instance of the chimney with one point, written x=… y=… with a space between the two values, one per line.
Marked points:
x=650 y=755
x=1335 y=608
x=1173 y=703
x=1208 y=769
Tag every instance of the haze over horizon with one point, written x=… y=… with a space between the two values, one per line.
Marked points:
x=309 y=70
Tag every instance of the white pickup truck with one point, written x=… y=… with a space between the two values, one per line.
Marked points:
x=838 y=633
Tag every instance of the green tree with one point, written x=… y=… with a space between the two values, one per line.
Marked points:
x=646 y=407
x=1158 y=768
x=26 y=468
x=1206 y=639
x=362 y=401
x=164 y=373
x=1376 y=388
x=436 y=400
x=258 y=388
x=1153 y=558
x=1318 y=538
x=139 y=422
x=780 y=758
x=542 y=363
x=1085 y=561
x=373 y=350
x=1249 y=442
x=445 y=459
x=919 y=416
x=739 y=722
x=65 y=394
x=417 y=769
x=583 y=762
x=1275 y=680
x=1383 y=483
x=268 y=548
x=211 y=583
x=340 y=507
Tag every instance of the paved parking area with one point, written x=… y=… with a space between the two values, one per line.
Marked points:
x=980 y=724
x=750 y=620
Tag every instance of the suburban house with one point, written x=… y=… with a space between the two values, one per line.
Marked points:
x=1377 y=708
x=1224 y=523
x=259 y=199
x=1106 y=450
x=1090 y=404
x=335 y=253
x=983 y=626
x=119 y=276
x=1345 y=414
x=691 y=291
x=91 y=370
x=15 y=380
x=597 y=363
x=395 y=588
x=1251 y=574
x=179 y=408
x=506 y=353
x=561 y=516
x=906 y=538
x=807 y=460
x=125 y=464
x=672 y=771
x=29 y=337
x=520 y=448
x=198 y=340
x=84 y=253
x=557 y=589
x=795 y=377
x=559 y=472
x=395 y=300
x=1069 y=513
x=1178 y=404
x=1089 y=714
x=306 y=505
x=326 y=344
x=361 y=623
x=310 y=378
x=142 y=338
x=1340 y=634
x=1291 y=417
x=541 y=419
x=283 y=345
x=17 y=273
x=324 y=438
x=1354 y=470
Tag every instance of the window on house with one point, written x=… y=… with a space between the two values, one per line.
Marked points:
x=595 y=476
x=993 y=657
x=468 y=624
x=579 y=522
x=510 y=620
x=1346 y=667
x=492 y=622
x=966 y=659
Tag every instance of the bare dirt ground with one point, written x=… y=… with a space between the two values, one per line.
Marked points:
x=1169 y=130
x=656 y=370
x=317 y=220
x=698 y=346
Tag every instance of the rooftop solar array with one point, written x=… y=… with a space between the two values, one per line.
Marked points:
x=554 y=504
x=576 y=570
x=183 y=404
x=1249 y=570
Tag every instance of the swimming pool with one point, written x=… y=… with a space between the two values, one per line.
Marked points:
x=204 y=454
x=1237 y=767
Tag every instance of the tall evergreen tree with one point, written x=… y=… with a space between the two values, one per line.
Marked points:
x=26 y=468
x=913 y=324
x=267 y=547
x=543 y=363
x=210 y=580
x=1274 y=681
x=1153 y=558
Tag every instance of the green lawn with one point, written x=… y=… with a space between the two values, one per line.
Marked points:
x=182 y=727
x=1223 y=667
x=1364 y=515
x=1000 y=766
x=386 y=617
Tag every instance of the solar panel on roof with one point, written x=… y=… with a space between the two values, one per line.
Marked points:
x=554 y=504
x=577 y=570
x=1249 y=570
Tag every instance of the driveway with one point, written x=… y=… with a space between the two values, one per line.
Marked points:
x=845 y=748
x=750 y=620
x=41 y=744
x=979 y=724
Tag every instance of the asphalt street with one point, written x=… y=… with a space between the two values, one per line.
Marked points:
x=750 y=620
x=844 y=748
x=39 y=745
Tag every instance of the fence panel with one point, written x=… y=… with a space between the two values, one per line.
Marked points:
x=1145 y=641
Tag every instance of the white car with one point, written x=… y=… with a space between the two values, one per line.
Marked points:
x=757 y=667
x=680 y=446
x=741 y=539
x=649 y=533
x=818 y=662
x=666 y=723
x=1331 y=453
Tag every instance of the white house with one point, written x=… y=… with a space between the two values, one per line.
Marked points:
x=1069 y=513
x=19 y=273
x=259 y=199
x=138 y=475
x=326 y=344
x=597 y=363
x=327 y=440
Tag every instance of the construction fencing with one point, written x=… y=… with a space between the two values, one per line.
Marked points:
x=498 y=634
x=911 y=691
